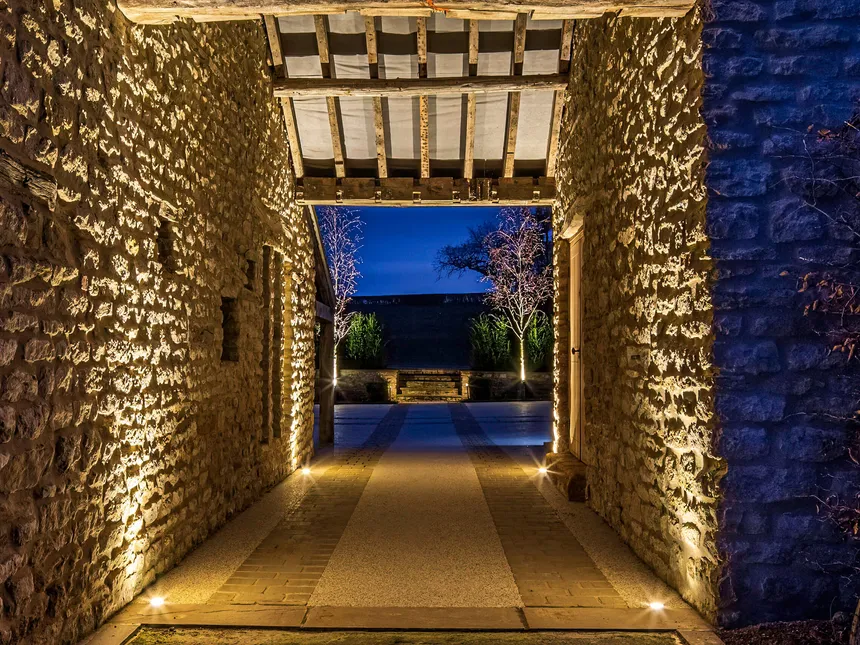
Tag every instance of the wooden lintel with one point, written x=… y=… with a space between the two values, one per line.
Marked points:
x=307 y=87
x=165 y=11
x=433 y=191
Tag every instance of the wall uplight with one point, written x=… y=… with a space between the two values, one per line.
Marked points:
x=656 y=606
x=542 y=470
x=306 y=471
x=156 y=601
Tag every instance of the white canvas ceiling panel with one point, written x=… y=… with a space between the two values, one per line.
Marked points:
x=314 y=131
x=534 y=124
x=399 y=25
x=359 y=134
x=296 y=24
x=541 y=61
x=446 y=127
x=403 y=127
x=443 y=24
x=491 y=115
x=346 y=23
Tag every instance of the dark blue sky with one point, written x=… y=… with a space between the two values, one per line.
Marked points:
x=400 y=244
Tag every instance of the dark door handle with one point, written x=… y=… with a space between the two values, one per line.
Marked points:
x=574 y=351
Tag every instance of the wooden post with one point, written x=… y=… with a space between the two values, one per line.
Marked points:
x=327 y=389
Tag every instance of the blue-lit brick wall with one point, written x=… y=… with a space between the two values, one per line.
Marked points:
x=776 y=74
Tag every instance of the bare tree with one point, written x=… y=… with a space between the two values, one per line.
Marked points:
x=341 y=234
x=520 y=280
x=471 y=255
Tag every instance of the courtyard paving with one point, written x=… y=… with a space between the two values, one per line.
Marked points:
x=424 y=516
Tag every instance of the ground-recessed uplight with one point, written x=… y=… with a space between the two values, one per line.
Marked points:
x=156 y=601
x=306 y=471
x=656 y=606
x=542 y=470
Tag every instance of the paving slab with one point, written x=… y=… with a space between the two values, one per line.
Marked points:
x=157 y=636
x=211 y=614
x=591 y=618
x=449 y=618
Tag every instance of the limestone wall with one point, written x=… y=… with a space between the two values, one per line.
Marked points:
x=142 y=171
x=779 y=72
x=631 y=167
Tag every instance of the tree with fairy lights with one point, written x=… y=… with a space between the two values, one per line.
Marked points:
x=341 y=234
x=519 y=276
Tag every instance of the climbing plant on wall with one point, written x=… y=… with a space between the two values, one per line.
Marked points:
x=828 y=184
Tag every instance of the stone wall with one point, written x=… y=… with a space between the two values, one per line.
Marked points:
x=631 y=168
x=779 y=71
x=142 y=172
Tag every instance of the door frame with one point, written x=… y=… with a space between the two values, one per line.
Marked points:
x=575 y=386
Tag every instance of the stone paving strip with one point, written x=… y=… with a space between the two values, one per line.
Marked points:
x=286 y=566
x=422 y=535
x=550 y=567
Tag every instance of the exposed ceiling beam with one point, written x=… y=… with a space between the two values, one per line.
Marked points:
x=280 y=71
x=321 y=28
x=558 y=99
x=514 y=97
x=434 y=191
x=378 y=119
x=416 y=86
x=471 y=104
x=423 y=100
x=162 y=11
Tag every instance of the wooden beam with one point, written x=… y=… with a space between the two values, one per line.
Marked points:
x=469 y=154
x=416 y=86
x=554 y=133
x=566 y=44
x=378 y=121
x=321 y=28
x=558 y=99
x=293 y=137
x=514 y=97
x=163 y=11
x=423 y=100
x=274 y=37
x=471 y=104
x=434 y=191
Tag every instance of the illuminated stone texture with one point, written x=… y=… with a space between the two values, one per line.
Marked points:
x=633 y=145
x=158 y=169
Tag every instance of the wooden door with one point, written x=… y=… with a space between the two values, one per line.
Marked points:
x=576 y=406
